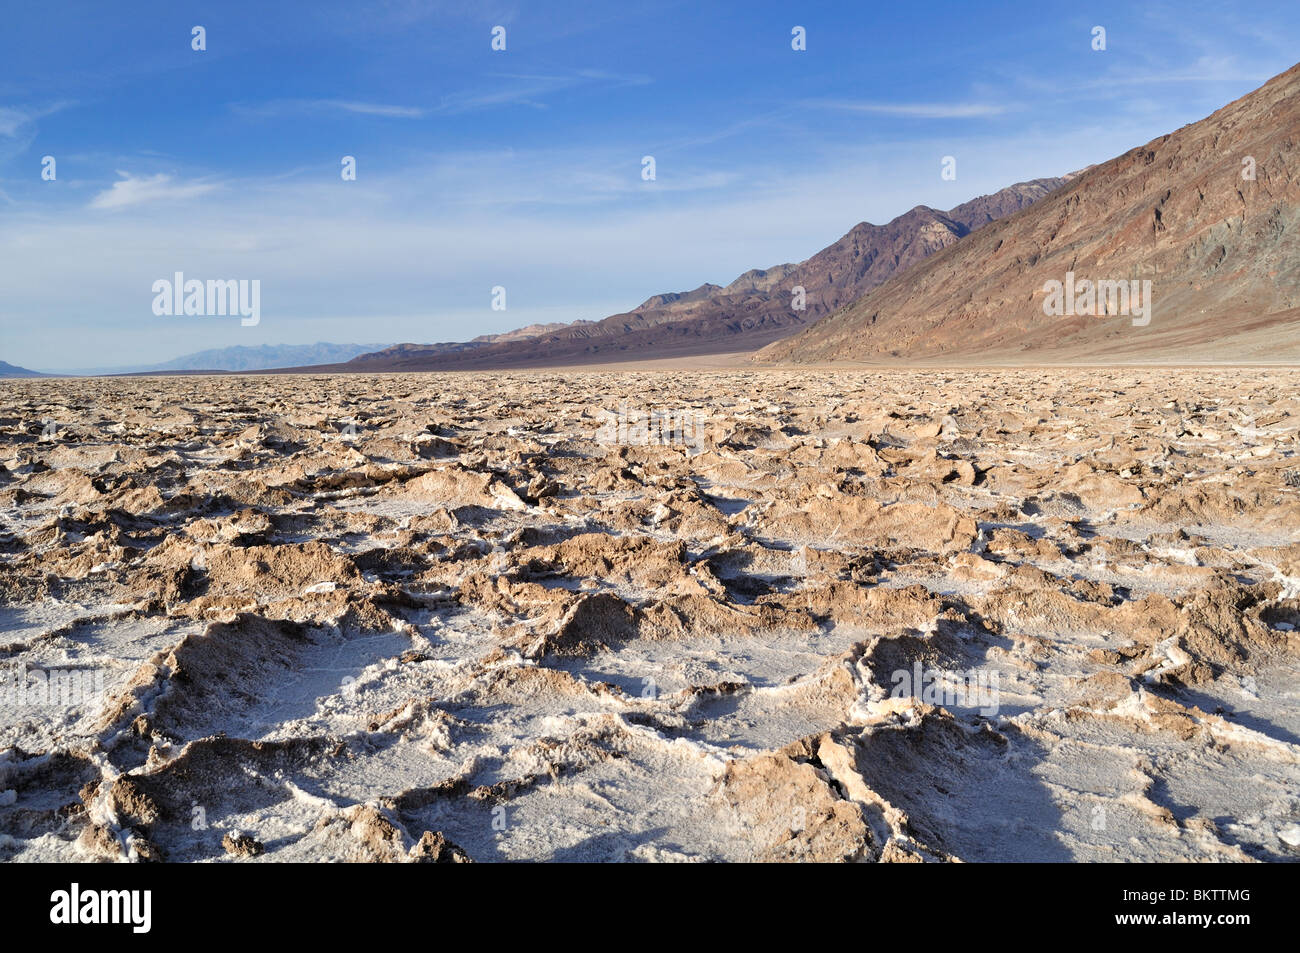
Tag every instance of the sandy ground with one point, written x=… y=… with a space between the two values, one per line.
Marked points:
x=1022 y=614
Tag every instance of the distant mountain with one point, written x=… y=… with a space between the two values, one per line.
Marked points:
x=1207 y=218
x=752 y=311
x=531 y=331
x=10 y=370
x=402 y=352
x=263 y=357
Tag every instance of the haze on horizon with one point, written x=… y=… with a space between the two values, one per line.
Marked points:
x=522 y=168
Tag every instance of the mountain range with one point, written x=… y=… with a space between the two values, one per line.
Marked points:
x=242 y=358
x=245 y=358
x=1198 y=230
x=751 y=311
x=1209 y=215
x=12 y=370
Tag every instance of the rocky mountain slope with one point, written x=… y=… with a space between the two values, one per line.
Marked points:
x=1208 y=215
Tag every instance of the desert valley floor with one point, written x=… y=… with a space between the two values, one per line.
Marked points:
x=1022 y=614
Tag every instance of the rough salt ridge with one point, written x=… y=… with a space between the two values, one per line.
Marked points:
x=436 y=618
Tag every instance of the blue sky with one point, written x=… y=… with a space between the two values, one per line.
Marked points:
x=478 y=168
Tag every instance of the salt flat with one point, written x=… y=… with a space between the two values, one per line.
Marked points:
x=1001 y=614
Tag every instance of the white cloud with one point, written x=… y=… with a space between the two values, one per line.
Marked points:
x=376 y=109
x=13 y=120
x=280 y=107
x=528 y=90
x=505 y=90
x=914 y=110
x=137 y=191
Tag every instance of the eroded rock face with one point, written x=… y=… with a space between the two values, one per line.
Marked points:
x=905 y=616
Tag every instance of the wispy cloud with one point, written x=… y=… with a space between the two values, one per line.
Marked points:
x=507 y=89
x=375 y=109
x=138 y=191
x=12 y=120
x=913 y=110
x=281 y=107
x=1119 y=81
x=529 y=90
